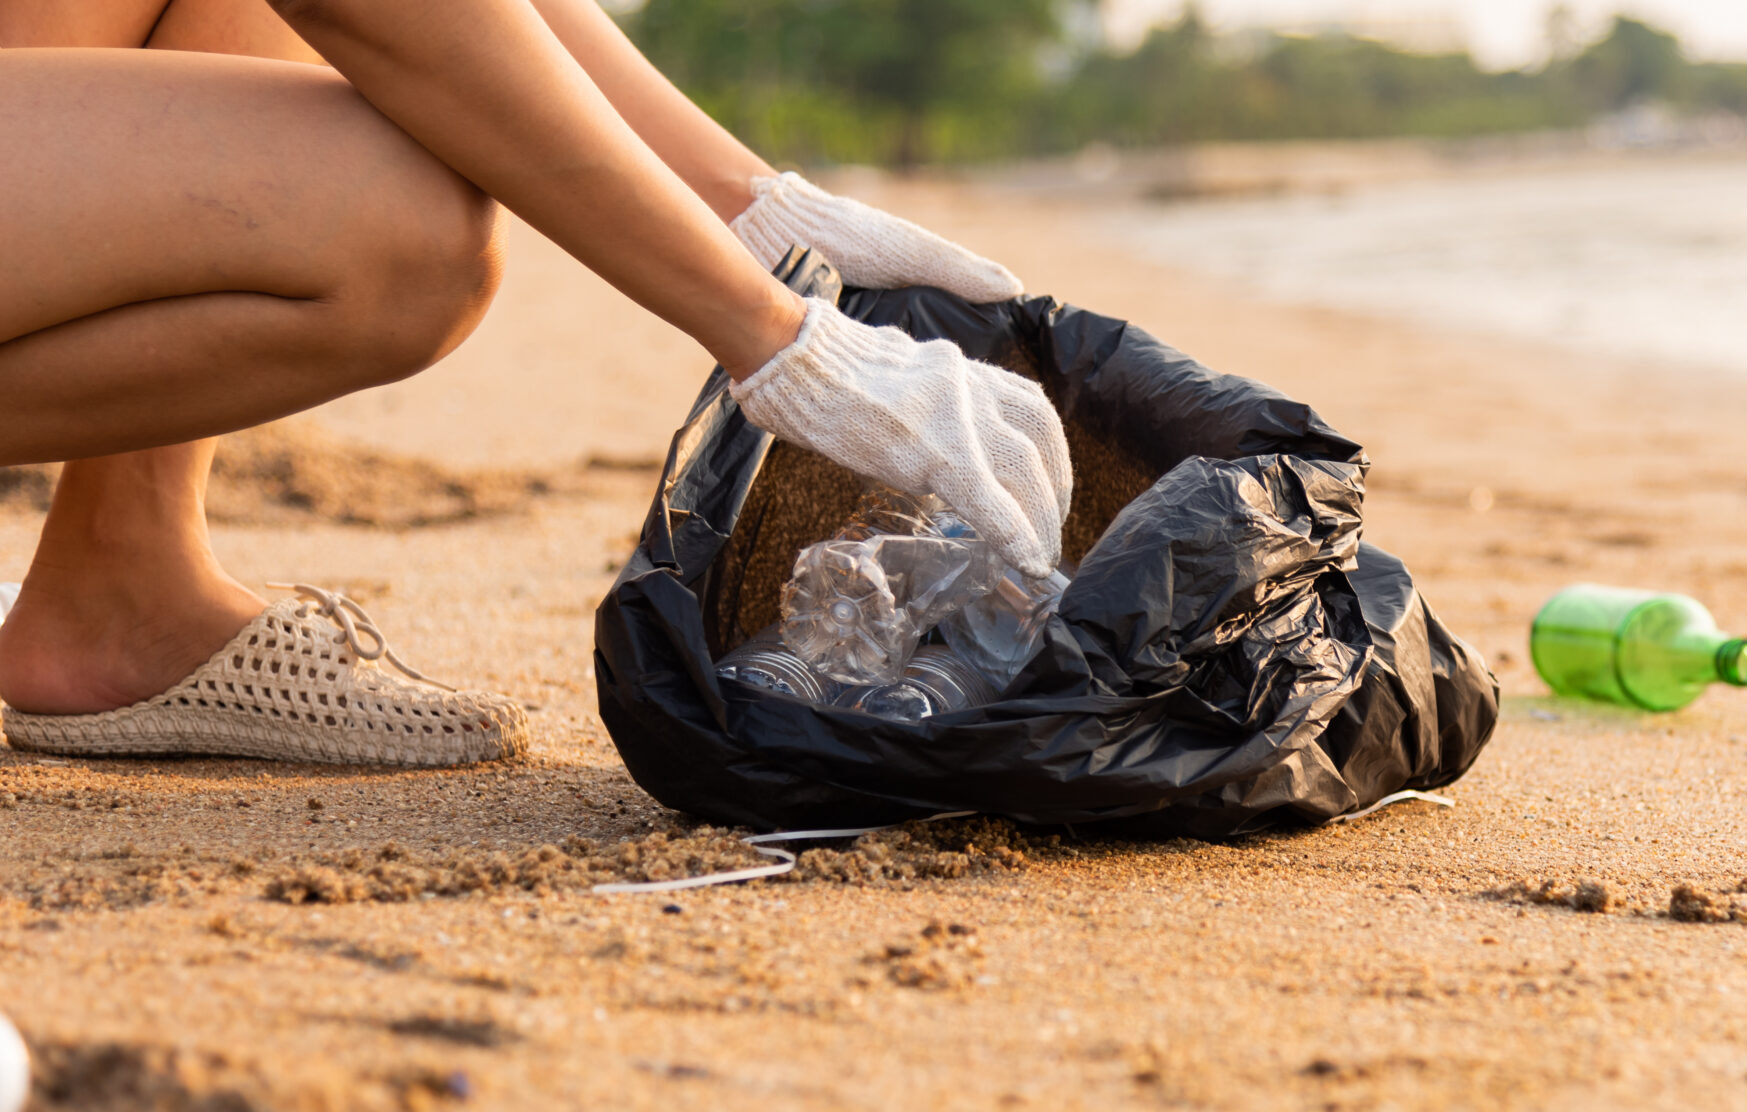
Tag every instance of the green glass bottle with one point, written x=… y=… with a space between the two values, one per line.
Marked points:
x=1635 y=648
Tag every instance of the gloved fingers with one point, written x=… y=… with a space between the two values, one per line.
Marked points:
x=934 y=260
x=1026 y=407
x=975 y=278
x=921 y=416
x=1011 y=478
x=993 y=511
x=907 y=254
x=870 y=247
x=1019 y=468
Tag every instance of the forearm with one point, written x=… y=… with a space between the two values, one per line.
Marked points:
x=487 y=86
x=717 y=166
x=869 y=247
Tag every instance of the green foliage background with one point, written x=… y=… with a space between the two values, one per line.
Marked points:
x=907 y=81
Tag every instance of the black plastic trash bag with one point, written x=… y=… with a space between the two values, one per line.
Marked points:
x=1229 y=656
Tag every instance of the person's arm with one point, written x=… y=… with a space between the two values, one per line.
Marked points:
x=487 y=87
x=718 y=167
x=767 y=212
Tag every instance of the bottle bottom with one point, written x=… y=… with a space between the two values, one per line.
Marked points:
x=761 y=664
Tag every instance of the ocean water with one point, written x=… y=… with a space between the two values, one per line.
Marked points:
x=1647 y=260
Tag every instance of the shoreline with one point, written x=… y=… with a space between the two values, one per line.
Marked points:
x=1238 y=170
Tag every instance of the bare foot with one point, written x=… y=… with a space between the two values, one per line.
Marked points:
x=75 y=646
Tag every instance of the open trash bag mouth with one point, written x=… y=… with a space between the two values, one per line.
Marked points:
x=1229 y=656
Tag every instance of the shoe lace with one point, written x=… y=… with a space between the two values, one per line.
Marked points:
x=355 y=625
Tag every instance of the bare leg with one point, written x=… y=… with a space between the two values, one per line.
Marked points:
x=246 y=27
x=268 y=245
x=228 y=27
x=490 y=90
x=117 y=23
x=155 y=497
x=125 y=597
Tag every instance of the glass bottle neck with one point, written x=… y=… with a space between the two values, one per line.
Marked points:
x=1732 y=661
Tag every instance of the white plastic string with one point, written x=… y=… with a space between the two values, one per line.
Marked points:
x=762 y=844
x=1398 y=797
x=785 y=860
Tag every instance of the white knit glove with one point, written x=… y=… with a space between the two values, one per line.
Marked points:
x=925 y=419
x=870 y=248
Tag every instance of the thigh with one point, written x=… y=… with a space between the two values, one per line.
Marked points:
x=214 y=26
x=133 y=175
x=229 y=27
x=78 y=22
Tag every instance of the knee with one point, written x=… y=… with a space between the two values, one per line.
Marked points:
x=409 y=252
x=425 y=283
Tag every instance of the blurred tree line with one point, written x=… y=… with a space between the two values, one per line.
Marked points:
x=906 y=81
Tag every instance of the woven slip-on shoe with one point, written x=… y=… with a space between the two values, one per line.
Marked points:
x=299 y=683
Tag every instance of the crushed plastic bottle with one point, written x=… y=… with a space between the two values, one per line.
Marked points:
x=767 y=664
x=998 y=634
x=858 y=604
x=8 y=596
x=935 y=682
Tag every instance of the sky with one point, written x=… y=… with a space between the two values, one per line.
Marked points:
x=1503 y=34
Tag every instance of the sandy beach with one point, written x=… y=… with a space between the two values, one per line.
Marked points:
x=206 y=934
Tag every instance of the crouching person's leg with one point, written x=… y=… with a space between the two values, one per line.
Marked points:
x=198 y=245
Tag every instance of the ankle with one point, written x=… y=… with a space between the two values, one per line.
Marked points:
x=116 y=570
x=140 y=503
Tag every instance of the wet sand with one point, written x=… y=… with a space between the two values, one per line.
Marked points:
x=443 y=957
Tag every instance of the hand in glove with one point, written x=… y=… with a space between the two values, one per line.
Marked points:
x=870 y=248
x=925 y=419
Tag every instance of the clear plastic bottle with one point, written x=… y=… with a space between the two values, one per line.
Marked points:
x=8 y=596
x=998 y=633
x=935 y=682
x=858 y=604
x=769 y=665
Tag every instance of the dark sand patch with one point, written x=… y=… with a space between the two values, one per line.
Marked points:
x=291 y=472
x=1583 y=895
x=939 y=956
x=1688 y=904
x=96 y=1077
x=127 y=1077
x=394 y=874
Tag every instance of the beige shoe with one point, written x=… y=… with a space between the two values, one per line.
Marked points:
x=297 y=684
